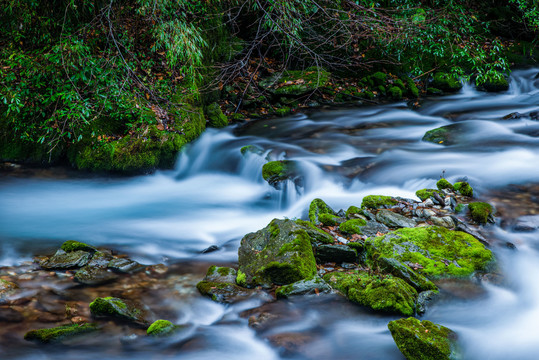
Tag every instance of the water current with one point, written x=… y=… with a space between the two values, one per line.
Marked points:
x=215 y=195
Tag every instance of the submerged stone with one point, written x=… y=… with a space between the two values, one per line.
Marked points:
x=94 y=275
x=226 y=293
x=381 y=293
x=445 y=135
x=312 y=286
x=281 y=254
x=118 y=309
x=424 y=340
x=394 y=220
x=59 y=333
x=435 y=250
x=251 y=149
x=162 y=328
x=7 y=288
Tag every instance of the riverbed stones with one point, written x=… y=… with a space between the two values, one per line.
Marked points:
x=312 y=286
x=119 y=309
x=424 y=340
x=59 y=333
x=394 y=220
x=437 y=251
x=281 y=254
x=379 y=292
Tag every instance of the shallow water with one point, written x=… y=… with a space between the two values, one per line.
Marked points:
x=215 y=195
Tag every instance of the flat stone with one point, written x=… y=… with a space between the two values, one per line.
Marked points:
x=67 y=260
x=126 y=266
x=94 y=275
x=313 y=286
x=445 y=221
x=394 y=220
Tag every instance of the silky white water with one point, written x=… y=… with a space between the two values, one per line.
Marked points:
x=215 y=195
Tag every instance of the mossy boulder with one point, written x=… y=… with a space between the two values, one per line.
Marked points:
x=59 y=333
x=296 y=82
x=396 y=268
x=381 y=293
x=281 y=254
x=497 y=84
x=412 y=88
x=162 y=328
x=464 y=188
x=329 y=219
x=276 y=171
x=435 y=251
x=446 y=82
x=119 y=309
x=316 y=235
x=378 y=78
x=425 y=194
x=304 y=287
x=395 y=92
x=378 y=202
x=317 y=208
x=352 y=226
x=424 y=340
x=480 y=212
x=215 y=116
x=444 y=184
x=221 y=274
x=73 y=245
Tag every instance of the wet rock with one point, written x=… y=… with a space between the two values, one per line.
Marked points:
x=527 y=223
x=353 y=226
x=59 y=333
x=126 y=266
x=275 y=172
x=7 y=288
x=10 y=315
x=162 y=328
x=119 y=309
x=438 y=251
x=512 y=116
x=446 y=135
x=94 y=275
x=432 y=194
x=444 y=184
x=295 y=82
x=210 y=249
x=67 y=260
x=398 y=269
x=312 y=286
x=424 y=299
x=464 y=188
x=378 y=202
x=251 y=149
x=317 y=208
x=221 y=274
x=291 y=343
x=424 y=340
x=381 y=293
x=226 y=293
x=374 y=228
x=468 y=230
x=394 y=220
x=281 y=254
x=495 y=85
x=335 y=253
x=317 y=235
x=481 y=212
x=446 y=82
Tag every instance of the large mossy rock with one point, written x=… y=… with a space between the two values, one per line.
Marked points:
x=276 y=171
x=381 y=293
x=480 y=212
x=59 y=333
x=281 y=254
x=378 y=202
x=162 y=328
x=295 y=82
x=317 y=208
x=424 y=340
x=446 y=82
x=219 y=284
x=436 y=251
x=445 y=135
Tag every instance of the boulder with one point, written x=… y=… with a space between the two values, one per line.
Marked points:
x=317 y=235
x=226 y=293
x=96 y=272
x=480 y=212
x=436 y=251
x=119 y=309
x=162 y=328
x=378 y=202
x=281 y=254
x=446 y=82
x=67 y=260
x=379 y=292
x=446 y=135
x=464 y=188
x=400 y=270
x=304 y=287
x=275 y=172
x=317 y=208
x=424 y=340
x=336 y=253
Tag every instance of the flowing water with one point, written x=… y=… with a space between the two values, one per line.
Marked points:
x=215 y=195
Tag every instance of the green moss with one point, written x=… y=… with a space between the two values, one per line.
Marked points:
x=378 y=78
x=424 y=340
x=480 y=211
x=241 y=279
x=399 y=83
x=377 y=201
x=296 y=82
x=464 y=188
x=439 y=251
x=434 y=91
x=251 y=149
x=425 y=194
x=72 y=245
x=444 y=184
x=283 y=111
x=446 y=82
x=459 y=208
x=386 y=294
x=215 y=116
x=315 y=233
x=162 y=328
x=497 y=84
x=395 y=92
x=275 y=171
x=106 y=306
x=329 y=219
x=358 y=246
x=352 y=226
x=318 y=207
x=412 y=87
x=353 y=210
x=59 y=333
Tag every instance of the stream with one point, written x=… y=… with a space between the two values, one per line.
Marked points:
x=215 y=195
